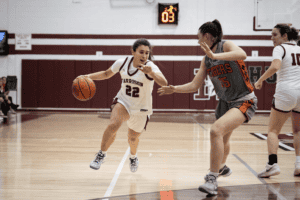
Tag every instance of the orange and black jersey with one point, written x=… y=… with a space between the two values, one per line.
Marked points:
x=230 y=78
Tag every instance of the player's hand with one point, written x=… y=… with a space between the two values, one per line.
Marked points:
x=144 y=68
x=81 y=76
x=207 y=50
x=258 y=85
x=170 y=89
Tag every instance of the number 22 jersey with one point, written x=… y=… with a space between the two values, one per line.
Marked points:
x=230 y=78
x=136 y=89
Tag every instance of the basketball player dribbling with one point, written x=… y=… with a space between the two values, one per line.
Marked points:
x=286 y=63
x=225 y=66
x=133 y=103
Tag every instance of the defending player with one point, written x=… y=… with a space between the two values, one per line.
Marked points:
x=225 y=66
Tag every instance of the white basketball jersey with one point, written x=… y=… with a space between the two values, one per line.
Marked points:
x=288 y=77
x=136 y=89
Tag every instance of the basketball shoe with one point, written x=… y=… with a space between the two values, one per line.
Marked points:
x=210 y=186
x=134 y=163
x=225 y=171
x=297 y=169
x=96 y=163
x=270 y=170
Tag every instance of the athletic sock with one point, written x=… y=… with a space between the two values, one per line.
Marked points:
x=214 y=174
x=132 y=156
x=272 y=159
x=298 y=159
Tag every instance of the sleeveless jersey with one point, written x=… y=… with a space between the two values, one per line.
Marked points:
x=289 y=73
x=230 y=78
x=136 y=89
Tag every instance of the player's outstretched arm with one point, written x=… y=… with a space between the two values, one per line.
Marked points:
x=188 y=87
x=102 y=75
x=275 y=66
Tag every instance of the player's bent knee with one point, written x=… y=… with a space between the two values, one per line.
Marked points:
x=114 y=126
x=215 y=132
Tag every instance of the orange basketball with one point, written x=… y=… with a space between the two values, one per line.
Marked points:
x=83 y=88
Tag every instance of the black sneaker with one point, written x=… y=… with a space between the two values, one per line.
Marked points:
x=225 y=171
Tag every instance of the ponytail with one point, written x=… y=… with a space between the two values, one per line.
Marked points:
x=294 y=34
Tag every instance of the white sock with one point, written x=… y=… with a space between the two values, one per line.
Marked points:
x=104 y=152
x=132 y=156
x=213 y=173
x=298 y=159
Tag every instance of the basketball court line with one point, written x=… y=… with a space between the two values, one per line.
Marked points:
x=280 y=143
x=269 y=187
x=198 y=123
x=116 y=176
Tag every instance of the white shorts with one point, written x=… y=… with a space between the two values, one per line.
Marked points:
x=287 y=100
x=136 y=122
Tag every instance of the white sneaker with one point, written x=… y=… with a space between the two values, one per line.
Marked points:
x=134 y=163
x=297 y=169
x=270 y=170
x=99 y=159
x=210 y=186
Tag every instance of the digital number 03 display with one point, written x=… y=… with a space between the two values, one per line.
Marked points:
x=168 y=13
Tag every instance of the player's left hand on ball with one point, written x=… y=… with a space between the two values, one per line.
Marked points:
x=144 y=68
x=170 y=89
x=258 y=85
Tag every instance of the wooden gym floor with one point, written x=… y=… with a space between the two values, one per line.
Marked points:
x=46 y=155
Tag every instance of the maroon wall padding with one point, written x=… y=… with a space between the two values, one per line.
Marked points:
x=269 y=89
x=29 y=83
x=165 y=101
x=113 y=85
x=100 y=100
x=45 y=88
x=64 y=73
x=181 y=76
x=259 y=93
x=48 y=83
x=195 y=101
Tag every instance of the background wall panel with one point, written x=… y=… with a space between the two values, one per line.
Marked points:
x=45 y=88
x=166 y=101
x=181 y=76
x=269 y=89
x=29 y=83
x=100 y=100
x=47 y=83
x=64 y=73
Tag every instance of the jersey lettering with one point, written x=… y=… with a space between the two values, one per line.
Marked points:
x=224 y=82
x=296 y=61
x=132 y=91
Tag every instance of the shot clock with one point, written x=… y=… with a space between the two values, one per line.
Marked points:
x=168 y=13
